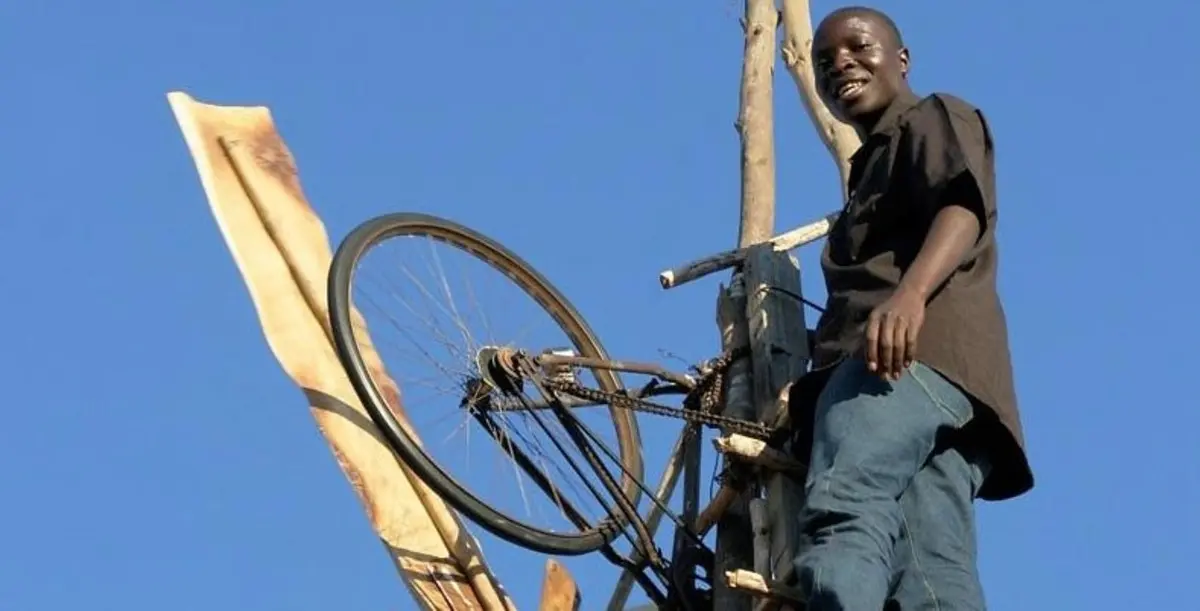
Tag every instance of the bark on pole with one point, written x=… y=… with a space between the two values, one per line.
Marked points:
x=755 y=124
x=281 y=249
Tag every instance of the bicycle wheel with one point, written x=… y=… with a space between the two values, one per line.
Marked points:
x=348 y=329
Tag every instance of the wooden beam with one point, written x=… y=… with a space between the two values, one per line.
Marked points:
x=282 y=252
x=559 y=592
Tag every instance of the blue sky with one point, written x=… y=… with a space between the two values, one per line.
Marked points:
x=156 y=456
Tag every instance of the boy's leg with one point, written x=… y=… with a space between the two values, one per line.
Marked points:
x=934 y=567
x=870 y=437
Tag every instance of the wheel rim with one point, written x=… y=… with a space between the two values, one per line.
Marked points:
x=451 y=320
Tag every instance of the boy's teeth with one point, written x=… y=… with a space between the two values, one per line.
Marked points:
x=849 y=87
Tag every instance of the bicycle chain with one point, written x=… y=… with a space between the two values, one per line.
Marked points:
x=707 y=393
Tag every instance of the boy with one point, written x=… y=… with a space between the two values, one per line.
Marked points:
x=915 y=413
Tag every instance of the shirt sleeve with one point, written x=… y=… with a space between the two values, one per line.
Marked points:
x=946 y=155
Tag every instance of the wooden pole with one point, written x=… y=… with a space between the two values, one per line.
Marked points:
x=281 y=249
x=774 y=315
x=755 y=125
x=777 y=335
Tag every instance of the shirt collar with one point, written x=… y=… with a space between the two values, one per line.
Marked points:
x=891 y=117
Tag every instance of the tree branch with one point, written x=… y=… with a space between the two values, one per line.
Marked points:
x=841 y=139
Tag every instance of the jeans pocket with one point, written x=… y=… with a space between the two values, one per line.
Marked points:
x=941 y=392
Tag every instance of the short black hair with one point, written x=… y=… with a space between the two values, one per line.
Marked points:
x=873 y=13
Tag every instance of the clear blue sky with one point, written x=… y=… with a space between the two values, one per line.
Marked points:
x=156 y=457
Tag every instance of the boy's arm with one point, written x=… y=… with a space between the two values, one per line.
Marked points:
x=945 y=155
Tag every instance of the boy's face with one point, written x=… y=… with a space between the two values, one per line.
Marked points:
x=860 y=66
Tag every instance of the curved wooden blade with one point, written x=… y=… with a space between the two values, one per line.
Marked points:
x=281 y=249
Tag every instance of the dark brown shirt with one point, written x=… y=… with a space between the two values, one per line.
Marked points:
x=925 y=154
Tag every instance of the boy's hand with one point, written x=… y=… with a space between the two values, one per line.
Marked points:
x=892 y=331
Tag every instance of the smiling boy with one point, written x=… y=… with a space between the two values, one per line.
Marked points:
x=916 y=414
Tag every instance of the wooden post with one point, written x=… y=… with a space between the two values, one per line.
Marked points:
x=770 y=281
x=755 y=124
x=777 y=334
x=281 y=249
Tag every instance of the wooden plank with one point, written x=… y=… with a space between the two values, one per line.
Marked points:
x=779 y=354
x=559 y=592
x=282 y=252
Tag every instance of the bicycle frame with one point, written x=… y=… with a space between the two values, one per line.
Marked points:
x=688 y=552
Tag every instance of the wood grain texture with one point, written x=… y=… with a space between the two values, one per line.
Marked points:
x=756 y=123
x=282 y=252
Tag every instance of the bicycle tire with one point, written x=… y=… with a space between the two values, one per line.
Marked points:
x=340 y=284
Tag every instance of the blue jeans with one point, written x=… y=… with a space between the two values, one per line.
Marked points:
x=889 y=515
